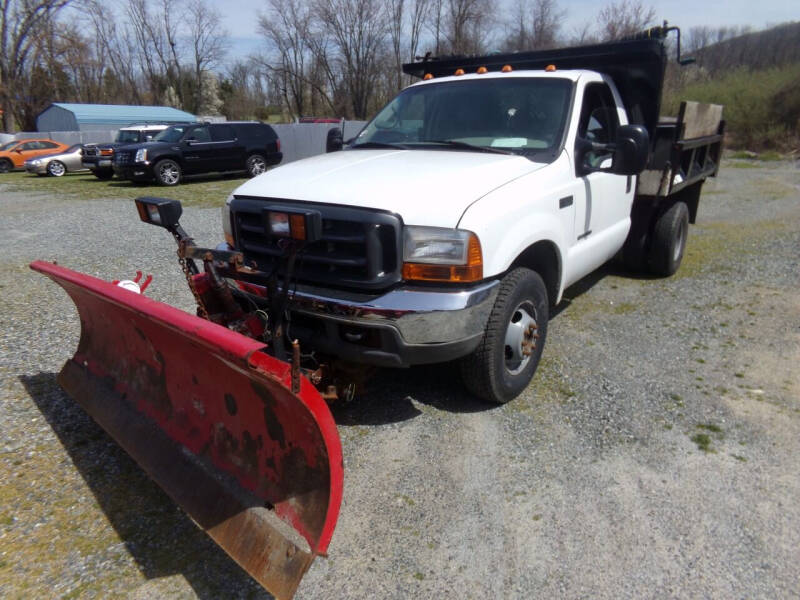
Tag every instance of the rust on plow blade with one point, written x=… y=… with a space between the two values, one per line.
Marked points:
x=213 y=421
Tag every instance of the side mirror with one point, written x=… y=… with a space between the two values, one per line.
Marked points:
x=334 y=141
x=631 y=150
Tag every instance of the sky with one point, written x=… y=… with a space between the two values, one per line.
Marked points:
x=241 y=16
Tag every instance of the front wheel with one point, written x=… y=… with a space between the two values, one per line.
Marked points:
x=256 y=165
x=55 y=168
x=669 y=240
x=5 y=165
x=504 y=362
x=103 y=174
x=168 y=172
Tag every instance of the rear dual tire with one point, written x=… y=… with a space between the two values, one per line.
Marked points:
x=504 y=362
x=668 y=243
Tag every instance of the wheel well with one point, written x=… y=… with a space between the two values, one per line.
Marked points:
x=544 y=258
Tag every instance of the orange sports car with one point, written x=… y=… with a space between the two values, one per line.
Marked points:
x=14 y=154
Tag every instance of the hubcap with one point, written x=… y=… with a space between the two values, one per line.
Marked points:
x=257 y=166
x=56 y=168
x=169 y=174
x=521 y=336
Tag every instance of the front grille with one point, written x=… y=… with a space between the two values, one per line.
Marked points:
x=359 y=248
x=123 y=158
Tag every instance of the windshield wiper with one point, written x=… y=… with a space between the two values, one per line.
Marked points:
x=466 y=146
x=368 y=145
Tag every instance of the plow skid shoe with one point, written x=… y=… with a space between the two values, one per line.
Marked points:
x=213 y=420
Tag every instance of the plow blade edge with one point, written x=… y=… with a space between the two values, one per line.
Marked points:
x=214 y=421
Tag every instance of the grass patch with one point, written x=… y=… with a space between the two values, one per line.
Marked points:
x=419 y=576
x=202 y=191
x=703 y=442
x=710 y=427
x=744 y=165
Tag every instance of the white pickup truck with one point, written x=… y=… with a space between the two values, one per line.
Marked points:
x=451 y=225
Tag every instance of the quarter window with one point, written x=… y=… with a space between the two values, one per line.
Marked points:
x=222 y=133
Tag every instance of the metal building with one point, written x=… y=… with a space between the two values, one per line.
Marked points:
x=61 y=116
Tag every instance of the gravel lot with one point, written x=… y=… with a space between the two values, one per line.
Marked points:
x=654 y=455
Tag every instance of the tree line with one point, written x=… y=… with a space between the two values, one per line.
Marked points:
x=320 y=57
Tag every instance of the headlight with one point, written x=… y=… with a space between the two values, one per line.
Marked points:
x=34 y=163
x=439 y=254
x=141 y=155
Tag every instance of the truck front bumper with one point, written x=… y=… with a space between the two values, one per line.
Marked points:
x=409 y=325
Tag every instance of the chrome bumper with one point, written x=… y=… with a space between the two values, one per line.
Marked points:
x=421 y=316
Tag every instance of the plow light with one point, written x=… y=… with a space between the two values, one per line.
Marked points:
x=302 y=225
x=159 y=211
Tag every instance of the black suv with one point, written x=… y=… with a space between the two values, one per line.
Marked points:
x=99 y=157
x=200 y=148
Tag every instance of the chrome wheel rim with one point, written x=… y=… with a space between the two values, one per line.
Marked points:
x=169 y=174
x=520 y=338
x=257 y=166
x=56 y=169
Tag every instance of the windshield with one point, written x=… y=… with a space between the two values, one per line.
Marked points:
x=171 y=134
x=73 y=148
x=521 y=115
x=8 y=145
x=127 y=137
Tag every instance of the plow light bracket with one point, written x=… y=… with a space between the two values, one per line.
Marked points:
x=291 y=222
x=159 y=211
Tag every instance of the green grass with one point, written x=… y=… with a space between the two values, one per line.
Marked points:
x=202 y=191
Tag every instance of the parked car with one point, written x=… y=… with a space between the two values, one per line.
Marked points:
x=98 y=157
x=56 y=164
x=200 y=148
x=14 y=154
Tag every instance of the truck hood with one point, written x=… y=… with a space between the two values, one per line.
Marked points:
x=430 y=187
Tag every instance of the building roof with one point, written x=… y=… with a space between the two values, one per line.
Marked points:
x=123 y=113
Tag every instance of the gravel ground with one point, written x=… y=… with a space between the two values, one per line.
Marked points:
x=654 y=455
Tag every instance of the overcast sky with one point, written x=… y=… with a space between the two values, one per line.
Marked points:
x=241 y=16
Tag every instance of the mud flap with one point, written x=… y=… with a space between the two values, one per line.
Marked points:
x=214 y=421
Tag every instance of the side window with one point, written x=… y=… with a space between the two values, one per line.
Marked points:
x=199 y=134
x=222 y=133
x=48 y=145
x=29 y=146
x=599 y=120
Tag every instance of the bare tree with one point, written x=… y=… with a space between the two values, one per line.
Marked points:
x=626 y=17
x=207 y=46
x=467 y=25
x=354 y=31
x=20 y=22
x=535 y=25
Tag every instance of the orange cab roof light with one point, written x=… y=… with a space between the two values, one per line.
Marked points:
x=550 y=68
x=482 y=70
x=459 y=72
x=506 y=69
x=427 y=76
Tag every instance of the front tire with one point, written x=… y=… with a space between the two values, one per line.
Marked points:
x=5 y=165
x=168 y=172
x=256 y=165
x=55 y=168
x=103 y=175
x=669 y=240
x=504 y=362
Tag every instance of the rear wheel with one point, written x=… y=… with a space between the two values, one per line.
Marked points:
x=256 y=165
x=503 y=364
x=56 y=168
x=669 y=240
x=5 y=165
x=168 y=172
x=103 y=174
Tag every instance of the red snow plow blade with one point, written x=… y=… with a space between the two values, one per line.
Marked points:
x=214 y=421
